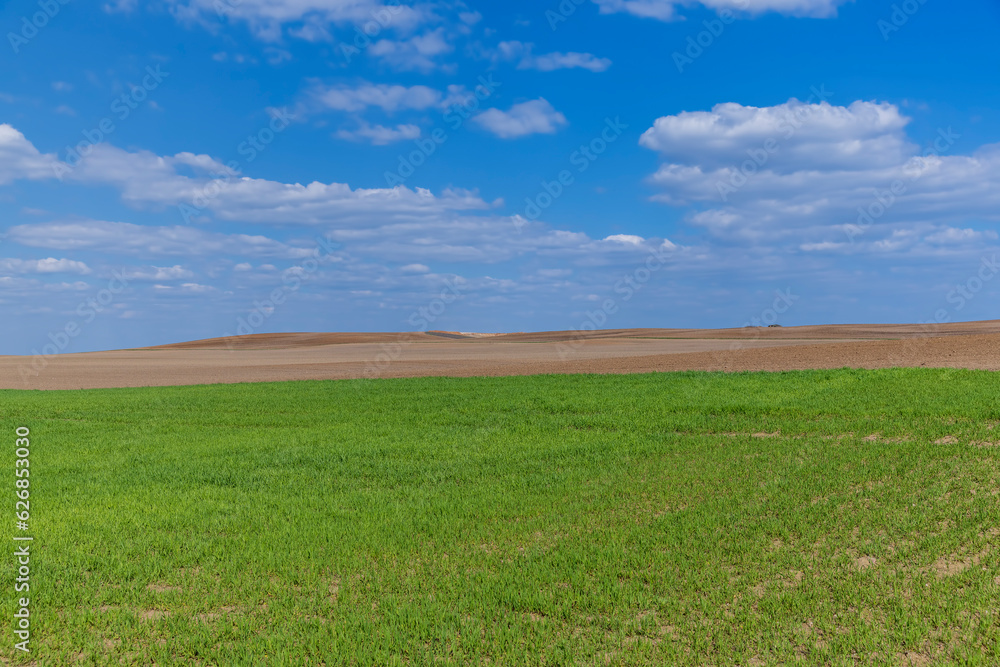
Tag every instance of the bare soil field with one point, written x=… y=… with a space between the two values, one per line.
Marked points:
x=302 y=356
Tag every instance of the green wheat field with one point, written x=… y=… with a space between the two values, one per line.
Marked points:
x=839 y=517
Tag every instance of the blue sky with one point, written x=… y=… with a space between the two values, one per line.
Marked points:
x=194 y=168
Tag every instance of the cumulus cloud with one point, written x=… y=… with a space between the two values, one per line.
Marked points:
x=627 y=239
x=143 y=175
x=389 y=98
x=276 y=56
x=479 y=240
x=128 y=239
x=20 y=159
x=305 y=19
x=193 y=181
x=532 y=117
x=380 y=135
x=120 y=5
x=187 y=180
x=522 y=54
x=196 y=288
x=257 y=200
x=666 y=10
x=415 y=268
x=385 y=239
x=457 y=238
x=954 y=235
x=418 y=53
x=47 y=265
x=153 y=273
x=552 y=61
x=403 y=36
x=822 y=175
x=808 y=136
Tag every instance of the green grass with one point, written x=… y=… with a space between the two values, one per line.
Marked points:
x=535 y=520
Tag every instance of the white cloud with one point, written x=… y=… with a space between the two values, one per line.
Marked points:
x=533 y=117
x=417 y=53
x=175 y=272
x=553 y=61
x=626 y=239
x=146 y=178
x=128 y=239
x=389 y=98
x=120 y=5
x=480 y=240
x=312 y=30
x=954 y=235
x=816 y=136
x=197 y=288
x=276 y=56
x=666 y=10
x=184 y=289
x=388 y=237
x=238 y=58
x=143 y=176
x=20 y=159
x=415 y=268
x=825 y=245
x=255 y=200
x=48 y=265
x=380 y=135
x=842 y=174
x=521 y=52
x=305 y=19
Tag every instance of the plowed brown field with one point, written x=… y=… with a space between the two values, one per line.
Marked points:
x=300 y=356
